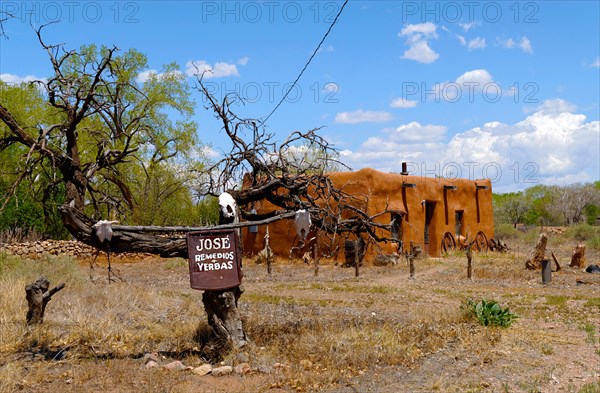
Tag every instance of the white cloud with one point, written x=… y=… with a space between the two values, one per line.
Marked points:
x=243 y=61
x=144 y=76
x=218 y=70
x=465 y=86
x=362 y=116
x=476 y=43
x=417 y=38
x=551 y=146
x=508 y=43
x=525 y=45
x=462 y=40
x=428 y=29
x=421 y=51
x=596 y=63
x=206 y=151
x=480 y=77
x=469 y=26
x=556 y=105
x=16 y=79
x=403 y=103
x=414 y=132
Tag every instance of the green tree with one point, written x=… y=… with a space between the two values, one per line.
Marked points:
x=104 y=141
x=540 y=213
x=511 y=208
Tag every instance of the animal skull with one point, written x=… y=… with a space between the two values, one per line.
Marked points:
x=104 y=230
x=227 y=205
x=302 y=222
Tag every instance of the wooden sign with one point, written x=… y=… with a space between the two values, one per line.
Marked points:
x=214 y=259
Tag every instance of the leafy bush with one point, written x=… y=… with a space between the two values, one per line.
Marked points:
x=489 y=313
x=583 y=232
x=505 y=231
x=594 y=243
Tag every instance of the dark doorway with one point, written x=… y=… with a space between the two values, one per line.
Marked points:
x=429 y=207
x=396 y=229
x=458 y=219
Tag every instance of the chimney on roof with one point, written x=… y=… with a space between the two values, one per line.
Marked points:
x=404 y=169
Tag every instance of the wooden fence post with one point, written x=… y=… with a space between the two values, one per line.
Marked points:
x=316 y=257
x=356 y=259
x=470 y=261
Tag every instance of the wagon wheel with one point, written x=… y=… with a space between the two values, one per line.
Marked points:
x=481 y=242
x=448 y=242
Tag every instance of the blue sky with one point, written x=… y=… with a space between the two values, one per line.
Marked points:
x=506 y=90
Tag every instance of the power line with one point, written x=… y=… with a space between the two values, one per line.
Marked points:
x=307 y=63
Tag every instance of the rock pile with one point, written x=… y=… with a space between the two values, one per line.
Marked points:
x=72 y=248
x=153 y=360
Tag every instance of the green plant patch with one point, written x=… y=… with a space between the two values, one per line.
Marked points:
x=593 y=387
x=593 y=302
x=490 y=313
x=590 y=330
x=557 y=300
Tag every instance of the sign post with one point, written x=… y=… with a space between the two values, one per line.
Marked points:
x=214 y=259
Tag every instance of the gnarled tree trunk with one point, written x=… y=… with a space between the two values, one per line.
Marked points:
x=224 y=317
x=38 y=296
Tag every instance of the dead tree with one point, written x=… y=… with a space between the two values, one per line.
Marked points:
x=291 y=175
x=535 y=261
x=221 y=306
x=98 y=88
x=38 y=296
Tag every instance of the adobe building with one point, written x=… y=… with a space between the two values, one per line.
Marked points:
x=434 y=213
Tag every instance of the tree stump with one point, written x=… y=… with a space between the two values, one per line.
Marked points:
x=38 y=296
x=221 y=308
x=535 y=261
x=578 y=257
x=225 y=320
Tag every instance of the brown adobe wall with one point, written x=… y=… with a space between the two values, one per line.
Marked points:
x=382 y=191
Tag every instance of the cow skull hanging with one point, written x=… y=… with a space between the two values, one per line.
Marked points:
x=228 y=208
x=302 y=223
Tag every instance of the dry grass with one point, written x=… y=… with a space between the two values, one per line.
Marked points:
x=329 y=331
x=97 y=320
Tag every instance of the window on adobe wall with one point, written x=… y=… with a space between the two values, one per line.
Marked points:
x=458 y=219
x=396 y=228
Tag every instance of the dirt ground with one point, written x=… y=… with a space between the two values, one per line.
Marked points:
x=553 y=347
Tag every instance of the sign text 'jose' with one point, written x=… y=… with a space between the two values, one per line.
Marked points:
x=214 y=259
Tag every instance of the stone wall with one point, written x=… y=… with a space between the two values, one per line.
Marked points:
x=73 y=248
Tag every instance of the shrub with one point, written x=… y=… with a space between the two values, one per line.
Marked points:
x=583 y=232
x=489 y=313
x=587 y=233
x=505 y=231
x=594 y=243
